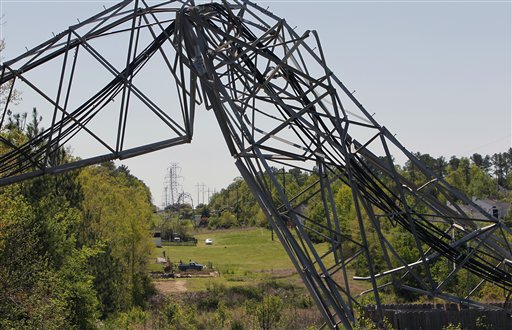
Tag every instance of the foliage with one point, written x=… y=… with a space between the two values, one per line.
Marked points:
x=73 y=247
x=171 y=226
x=131 y=319
x=116 y=217
x=451 y=326
x=267 y=312
x=481 y=323
x=225 y=220
x=41 y=268
x=6 y=88
x=173 y=315
x=363 y=322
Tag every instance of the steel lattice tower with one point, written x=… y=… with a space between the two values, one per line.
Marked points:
x=277 y=104
x=172 y=185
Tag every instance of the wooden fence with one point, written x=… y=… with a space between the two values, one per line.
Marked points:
x=429 y=316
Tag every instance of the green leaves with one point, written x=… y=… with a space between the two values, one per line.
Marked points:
x=73 y=249
x=43 y=283
x=116 y=213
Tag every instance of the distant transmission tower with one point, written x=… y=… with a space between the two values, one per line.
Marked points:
x=172 y=187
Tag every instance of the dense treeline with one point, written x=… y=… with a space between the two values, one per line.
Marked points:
x=476 y=176
x=73 y=247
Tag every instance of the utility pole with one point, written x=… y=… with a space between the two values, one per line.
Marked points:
x=197 y=188
x=201 y=189
x=165 y=202
x=237 y=206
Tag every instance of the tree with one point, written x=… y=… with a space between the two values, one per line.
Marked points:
x=44 y=284
x=41 y=268
x=454 y=163
x=482 y=162
x=267 y=312
x=459 y=177
x=116 y=216
x=499 y=163
x=6 y=89
x=345 y=208
x=481 y=185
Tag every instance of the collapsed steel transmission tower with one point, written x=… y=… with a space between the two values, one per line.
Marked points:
x=277 y=104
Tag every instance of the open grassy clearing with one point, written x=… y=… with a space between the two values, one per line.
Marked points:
x=241 y=256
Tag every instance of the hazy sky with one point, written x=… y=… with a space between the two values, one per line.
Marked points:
x=436 y=73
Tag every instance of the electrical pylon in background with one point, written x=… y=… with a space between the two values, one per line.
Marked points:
x=172 y=185
x=277 y=104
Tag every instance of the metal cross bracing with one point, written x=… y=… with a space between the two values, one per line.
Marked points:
x=277 y=104
x=172 y=187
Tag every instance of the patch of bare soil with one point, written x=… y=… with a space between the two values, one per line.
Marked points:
x=166 y=287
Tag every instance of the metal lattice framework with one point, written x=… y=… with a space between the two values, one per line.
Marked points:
x=277 y=104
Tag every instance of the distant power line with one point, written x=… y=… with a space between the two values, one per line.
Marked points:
x=204 y=193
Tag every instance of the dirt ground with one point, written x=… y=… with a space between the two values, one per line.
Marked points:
x=166 y=287
x=178 y=285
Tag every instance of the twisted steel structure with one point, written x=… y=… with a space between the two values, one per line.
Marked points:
x=277 y=104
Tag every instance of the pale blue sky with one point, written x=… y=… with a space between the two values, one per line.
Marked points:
x=436 y=73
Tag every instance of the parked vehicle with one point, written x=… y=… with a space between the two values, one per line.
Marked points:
x=208 y=241
x=190 y=266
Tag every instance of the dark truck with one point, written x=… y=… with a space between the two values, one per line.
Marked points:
x=190 y=266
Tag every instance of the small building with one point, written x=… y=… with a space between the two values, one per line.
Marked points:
x=495 y=208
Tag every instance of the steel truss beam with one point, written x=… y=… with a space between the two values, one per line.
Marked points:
x=277 y=104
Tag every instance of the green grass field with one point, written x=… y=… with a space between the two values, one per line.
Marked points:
x=239 y=255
